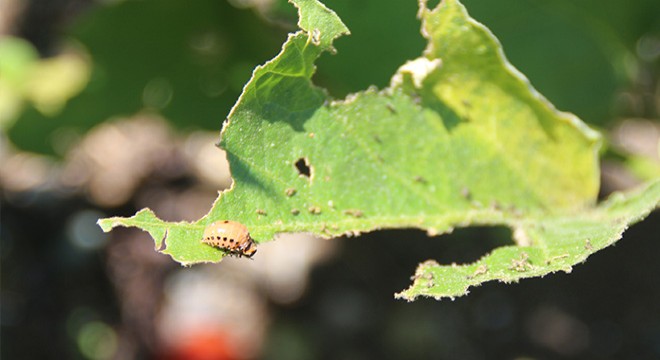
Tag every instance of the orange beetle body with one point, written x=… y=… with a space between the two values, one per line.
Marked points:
x=230 y=236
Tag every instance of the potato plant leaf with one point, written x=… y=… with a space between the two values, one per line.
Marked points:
x=458 y=138
x=546 y=244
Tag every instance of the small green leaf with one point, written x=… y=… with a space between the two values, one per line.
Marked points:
x=546 y=245
x=459 y=138
x=183 y=239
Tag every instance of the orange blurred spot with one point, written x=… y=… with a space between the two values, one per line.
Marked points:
x=204 y=344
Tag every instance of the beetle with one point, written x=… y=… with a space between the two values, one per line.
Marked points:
x=231 y=236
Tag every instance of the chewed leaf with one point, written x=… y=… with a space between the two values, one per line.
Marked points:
x=458 y=138
x=182 y=240
x=555 y=243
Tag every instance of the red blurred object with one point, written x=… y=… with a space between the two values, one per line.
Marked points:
x=203 y=344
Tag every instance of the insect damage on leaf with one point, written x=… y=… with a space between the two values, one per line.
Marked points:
x=459 y=138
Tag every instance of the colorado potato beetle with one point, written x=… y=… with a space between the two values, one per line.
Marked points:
x=230 y=236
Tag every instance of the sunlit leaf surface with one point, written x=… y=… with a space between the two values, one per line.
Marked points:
x=458 y=138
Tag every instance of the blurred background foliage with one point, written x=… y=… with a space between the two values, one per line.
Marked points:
x=186 y=60
x=110 y=106
x=189 y=61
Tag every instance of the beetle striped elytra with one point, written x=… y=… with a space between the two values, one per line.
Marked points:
x=231 y=236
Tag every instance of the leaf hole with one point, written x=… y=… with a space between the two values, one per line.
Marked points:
x=462 y=246
x=303 y=167
x=163 y=244
x=431 y=4
x=365 y=58
x=467 y=245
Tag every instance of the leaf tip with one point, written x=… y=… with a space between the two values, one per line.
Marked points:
x=313 y=14
x=106 y=224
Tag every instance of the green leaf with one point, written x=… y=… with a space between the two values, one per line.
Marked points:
x=546 y=244
x=459 y=138
x=183 y=239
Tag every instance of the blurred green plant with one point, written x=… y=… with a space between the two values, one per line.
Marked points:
x=187 y=61
x=458 y=138
x=45 y=84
